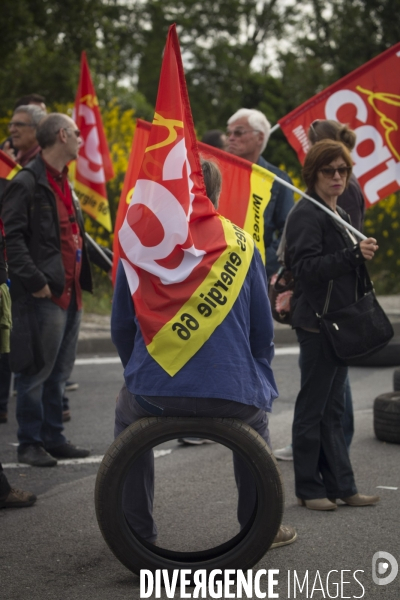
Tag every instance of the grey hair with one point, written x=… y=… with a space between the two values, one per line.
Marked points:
x=50 y=126
x=36 y=114
x=212 y=179
x=257 y=120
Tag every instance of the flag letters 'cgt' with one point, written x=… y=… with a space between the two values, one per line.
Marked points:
x=368 y=100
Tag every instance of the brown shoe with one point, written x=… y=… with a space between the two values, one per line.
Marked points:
x=286 y=535
x=318 y=504
x=360 y=500
x=18 y=499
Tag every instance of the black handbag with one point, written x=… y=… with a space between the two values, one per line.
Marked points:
x=280 y=292
x=360 y=329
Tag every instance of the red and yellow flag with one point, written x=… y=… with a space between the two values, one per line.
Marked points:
x=8 y=167
x=93 y=166
x=368 y=100
x=246 y=188
x=184 y=263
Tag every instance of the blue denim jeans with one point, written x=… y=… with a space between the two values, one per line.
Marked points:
x=321 y=459
x=39 y=397
x=138 y=495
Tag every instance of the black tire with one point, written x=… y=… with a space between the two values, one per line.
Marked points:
x=241 y=552
x=396 y=380
x=387 y=417
x=389 y=356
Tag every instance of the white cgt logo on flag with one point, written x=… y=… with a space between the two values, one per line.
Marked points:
x=173 y=219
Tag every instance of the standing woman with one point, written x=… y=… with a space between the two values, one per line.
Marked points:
x=353 y=202
x=321 y=251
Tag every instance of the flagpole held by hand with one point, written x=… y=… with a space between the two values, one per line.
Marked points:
x=98 y=249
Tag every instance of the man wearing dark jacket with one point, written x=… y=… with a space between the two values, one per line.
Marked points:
x=48 y=268
x=248 y=132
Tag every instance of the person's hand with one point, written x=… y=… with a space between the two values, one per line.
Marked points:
x=43 y=293
x=368 y=248
x=8 y=150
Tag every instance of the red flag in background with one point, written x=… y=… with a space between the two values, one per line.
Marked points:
x=245 y=193
x=8 y=167
x=368 y=101
x=185 y=264
x=93 y=166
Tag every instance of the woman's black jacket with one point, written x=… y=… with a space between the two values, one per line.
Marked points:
x=319 y=250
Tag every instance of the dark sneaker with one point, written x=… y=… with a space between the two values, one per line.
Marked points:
x=36 y=456
x=18 y=499
x=68 y=450
x=71 y=386
x=286 y=535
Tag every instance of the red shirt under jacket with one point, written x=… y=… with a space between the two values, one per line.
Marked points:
x=71 y=244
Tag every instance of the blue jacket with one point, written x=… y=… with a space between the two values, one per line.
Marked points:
x=275 y=215
x=233 y=364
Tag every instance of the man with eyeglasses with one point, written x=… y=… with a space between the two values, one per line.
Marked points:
x=30 y=99
x=248 y=132
x=22 y=127
x=48 y=268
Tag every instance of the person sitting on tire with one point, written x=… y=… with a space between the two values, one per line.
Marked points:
x=241 y=385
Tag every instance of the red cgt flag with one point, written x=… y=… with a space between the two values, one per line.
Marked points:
x=368 y=100
x=245 y=193
x=93 y=166
x=184 y=263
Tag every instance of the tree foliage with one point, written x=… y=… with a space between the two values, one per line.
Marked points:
x=266 y=54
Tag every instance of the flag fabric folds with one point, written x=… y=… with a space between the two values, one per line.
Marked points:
x=8 y=167
x=368 y=101
x=93 y=166
x=246 y=188
x=184 y=263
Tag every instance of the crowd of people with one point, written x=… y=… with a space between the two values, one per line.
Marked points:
x=49 y=266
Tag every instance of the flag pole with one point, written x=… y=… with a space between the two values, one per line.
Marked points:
x=274 y=128
x=327 y=210
x=98 y=249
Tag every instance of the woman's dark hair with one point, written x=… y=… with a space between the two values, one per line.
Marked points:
x=321 y=155
x=212 y=179
x=331 y=130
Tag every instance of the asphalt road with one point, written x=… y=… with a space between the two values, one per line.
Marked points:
x=55 y=551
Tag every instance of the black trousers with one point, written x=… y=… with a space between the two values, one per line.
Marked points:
x=321 y=459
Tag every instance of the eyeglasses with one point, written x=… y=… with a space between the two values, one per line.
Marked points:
x=19 y=124
x=329 y=172
x=237 y=133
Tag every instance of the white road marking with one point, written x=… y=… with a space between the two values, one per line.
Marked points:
x=287 y=350
x=99 y=360
x=80 y=461
x=386 y=487
x=115 y=360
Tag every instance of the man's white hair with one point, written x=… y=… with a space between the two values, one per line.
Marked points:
x=256 y=120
